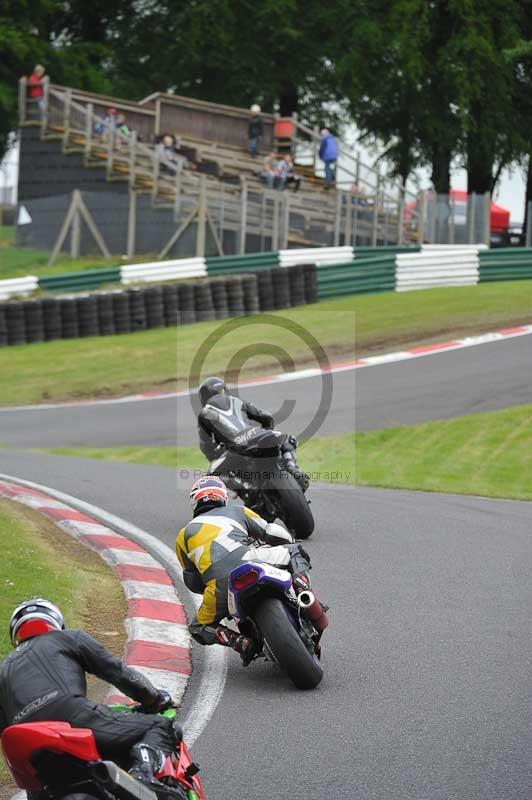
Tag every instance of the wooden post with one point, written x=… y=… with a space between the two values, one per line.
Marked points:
x=286 y=221
x=338 y=218
x=88 y=132
x=451 y=219
x=110 y=150
x=243 y=214
x=202 y=218
x=471 y=207
x=400 y=212
x=275 y=227
x=75 y=232
x=22 y=100
x=421 y=214
x=131 y=223
x=262 y=216
x=46 y=104
x=67 y=109
x=375 y=222
x=132 y=157
x=487 y=218
x=348 y=236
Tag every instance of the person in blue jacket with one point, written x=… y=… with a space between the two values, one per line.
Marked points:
x=329 y=155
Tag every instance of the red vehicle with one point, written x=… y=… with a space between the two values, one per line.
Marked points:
x=56 y=760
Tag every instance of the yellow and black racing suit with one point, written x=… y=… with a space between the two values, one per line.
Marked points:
x=218 y=540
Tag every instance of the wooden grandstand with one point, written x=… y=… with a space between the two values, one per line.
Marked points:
x=218 y=189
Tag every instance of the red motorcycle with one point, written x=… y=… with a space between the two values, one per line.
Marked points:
x=55 y=760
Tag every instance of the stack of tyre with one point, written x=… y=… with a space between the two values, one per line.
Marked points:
x=127 y=311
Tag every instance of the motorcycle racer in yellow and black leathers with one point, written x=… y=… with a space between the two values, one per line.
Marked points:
x=220 y=537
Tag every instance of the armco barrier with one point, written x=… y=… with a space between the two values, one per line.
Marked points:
x=506 y=264
x=316 y=255
x=361 y=276
x=164 y=270
x=18 y=286
x=80 y=281
x=250 y=262
x=427 y=270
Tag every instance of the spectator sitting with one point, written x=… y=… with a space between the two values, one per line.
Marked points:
x=255 y=130
x=270 y=170
x=169 y=158
x=105 y=122
x=329 y=155
x=35 y=87
x=121 y=124
x=286 y=173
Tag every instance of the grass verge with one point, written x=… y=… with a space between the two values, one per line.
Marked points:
x=487 y=454
x=161 y=359
x=15 y=262
x=39 y=560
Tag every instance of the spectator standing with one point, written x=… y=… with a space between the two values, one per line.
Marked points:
x=35 y=86
x=255 y=130
x=287 y=174
x=169 y=158
x=329 y=155
x=121 y=124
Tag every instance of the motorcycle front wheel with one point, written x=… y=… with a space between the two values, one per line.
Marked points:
x=285 y=644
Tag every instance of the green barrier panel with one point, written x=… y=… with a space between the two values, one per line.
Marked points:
x=220 y=265
x=496 y=251
x=79 y=281
x=362 y=276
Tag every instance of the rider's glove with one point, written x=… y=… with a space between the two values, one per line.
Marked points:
x=161 y=703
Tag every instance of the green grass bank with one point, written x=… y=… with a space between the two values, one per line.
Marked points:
x=163 y=359
x=487 y=454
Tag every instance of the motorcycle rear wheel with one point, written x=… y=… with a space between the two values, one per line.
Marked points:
x=295 y=508
x=286 y=645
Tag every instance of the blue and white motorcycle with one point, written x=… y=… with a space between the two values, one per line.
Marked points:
x=285 y=627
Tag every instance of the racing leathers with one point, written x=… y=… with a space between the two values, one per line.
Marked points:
x=218 y=539
x=227 y=421
x=44 y=679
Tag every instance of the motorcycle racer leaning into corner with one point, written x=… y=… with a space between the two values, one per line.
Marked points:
x=219 y=537
x=225 y=417
x=43 y=679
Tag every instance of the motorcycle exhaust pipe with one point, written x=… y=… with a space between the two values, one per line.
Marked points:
x=312 y=609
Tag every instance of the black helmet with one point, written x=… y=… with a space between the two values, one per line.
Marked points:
x=33 y=618
x=211 y=387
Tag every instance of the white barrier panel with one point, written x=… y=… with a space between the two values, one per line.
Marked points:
x=321 y=256
x=429 y=269
x=448 y=247
x=13 y=286
x=164 y=270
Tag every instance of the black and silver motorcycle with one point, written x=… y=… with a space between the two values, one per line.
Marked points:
x=254 y=467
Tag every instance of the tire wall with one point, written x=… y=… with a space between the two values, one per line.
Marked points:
x=117 y=311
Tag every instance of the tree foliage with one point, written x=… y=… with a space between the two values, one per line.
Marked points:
x=434 y=80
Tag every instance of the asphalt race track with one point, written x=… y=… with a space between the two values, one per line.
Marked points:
x=426 y=694
x=440 y=386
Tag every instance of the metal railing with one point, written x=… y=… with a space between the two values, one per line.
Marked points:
x=228 y=216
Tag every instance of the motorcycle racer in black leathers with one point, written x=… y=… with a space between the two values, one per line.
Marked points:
x=225 y=419
x=44 y=679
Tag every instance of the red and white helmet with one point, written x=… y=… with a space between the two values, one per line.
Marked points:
x=33 y=618
x=208 y=489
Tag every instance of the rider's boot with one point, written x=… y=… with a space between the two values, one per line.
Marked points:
x=239 y=643
x=145 y=762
